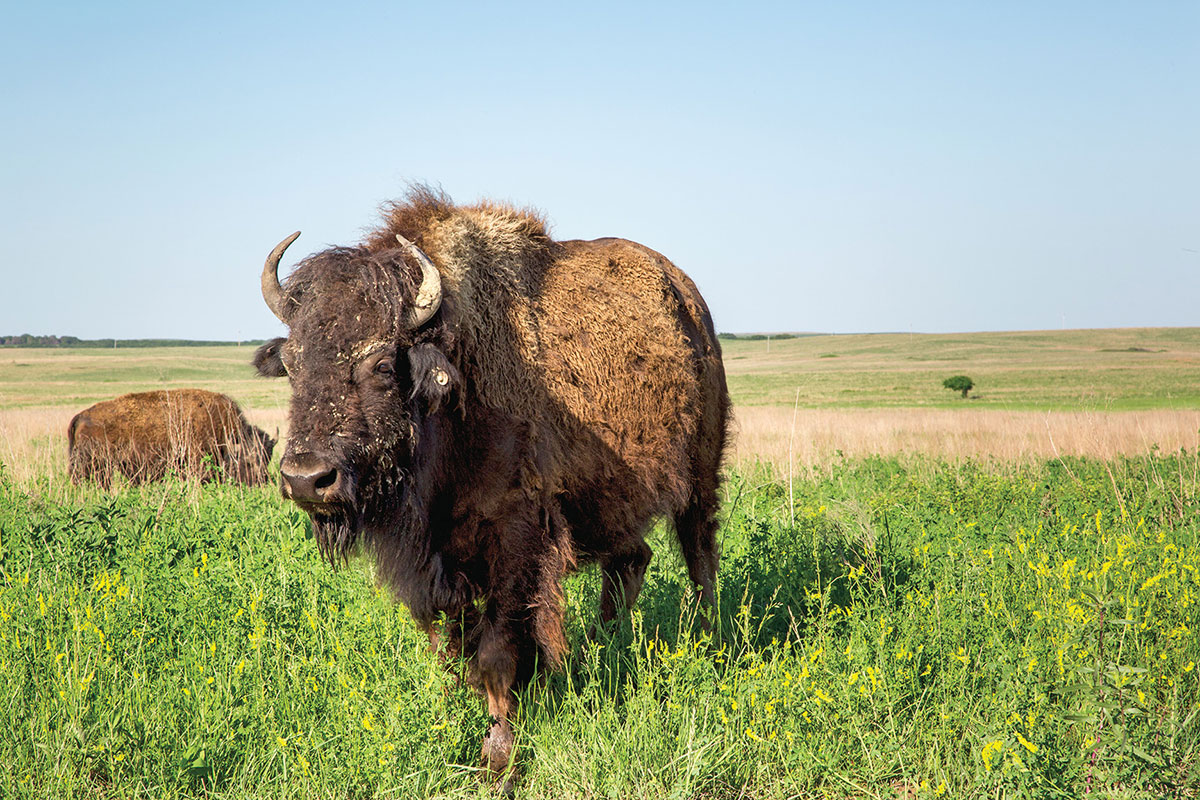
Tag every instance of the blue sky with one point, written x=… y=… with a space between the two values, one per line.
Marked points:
x=835 y=167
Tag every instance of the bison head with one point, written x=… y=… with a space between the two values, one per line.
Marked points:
x=366 y=359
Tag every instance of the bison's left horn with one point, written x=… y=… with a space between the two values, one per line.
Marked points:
x=271 y=290
x=429 y=295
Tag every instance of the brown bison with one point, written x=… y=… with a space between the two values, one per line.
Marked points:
x=489 y=408
x=144 y=436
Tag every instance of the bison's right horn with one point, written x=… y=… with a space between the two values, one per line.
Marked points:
x=271 y=290
x=429 y=295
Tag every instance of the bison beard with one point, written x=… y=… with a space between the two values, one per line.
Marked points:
x=336 y=535
x=487 y=407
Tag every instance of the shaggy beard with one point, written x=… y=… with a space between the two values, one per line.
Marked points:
x=336 y=535
x=390 y=522
x=340 y=529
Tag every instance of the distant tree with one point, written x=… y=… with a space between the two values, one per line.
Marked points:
x=959 y=383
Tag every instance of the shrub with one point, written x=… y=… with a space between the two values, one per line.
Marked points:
x=959 y=383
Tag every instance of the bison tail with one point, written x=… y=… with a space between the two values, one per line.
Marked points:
x=71 y=431
x=76 y=451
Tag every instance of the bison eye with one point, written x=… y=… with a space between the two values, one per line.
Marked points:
x=385 y=367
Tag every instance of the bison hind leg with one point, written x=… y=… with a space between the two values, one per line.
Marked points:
x=696 y=527
x=623 y=573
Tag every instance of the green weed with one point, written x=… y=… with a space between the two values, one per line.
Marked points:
x=902 y=627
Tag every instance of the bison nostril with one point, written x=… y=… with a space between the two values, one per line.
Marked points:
x=308 y=478
x=325 y=481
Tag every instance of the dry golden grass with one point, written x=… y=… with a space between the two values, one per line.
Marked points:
x=814 y=436
x=33 y=444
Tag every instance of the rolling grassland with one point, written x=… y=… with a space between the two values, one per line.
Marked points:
x=1125 y=369
x=944 y=608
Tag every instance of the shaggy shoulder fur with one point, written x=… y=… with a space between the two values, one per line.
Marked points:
x=592 y=328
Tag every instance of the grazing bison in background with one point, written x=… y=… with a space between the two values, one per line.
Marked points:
x=191 y=432
x=487 y=408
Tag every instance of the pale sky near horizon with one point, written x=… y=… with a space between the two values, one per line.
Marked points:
x=839 y=167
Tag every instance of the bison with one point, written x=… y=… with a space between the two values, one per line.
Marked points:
x=488 y=408
x=191 y=432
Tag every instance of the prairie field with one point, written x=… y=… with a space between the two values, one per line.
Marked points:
x=1123 y=369
x=920 y=596
x=808 y=437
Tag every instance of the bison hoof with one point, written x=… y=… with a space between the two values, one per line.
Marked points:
x=497 y=748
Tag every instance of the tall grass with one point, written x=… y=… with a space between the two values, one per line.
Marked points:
x=922 y=628
x=33 y=445
x=815 y=437
x=33 y=440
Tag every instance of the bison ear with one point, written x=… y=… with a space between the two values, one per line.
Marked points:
x=268 y=442
x=433 y=376
x=267 y=360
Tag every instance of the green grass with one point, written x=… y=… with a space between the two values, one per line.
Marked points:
x=1119 y=369
x=82 y=376
x=942 y=630
x=890 y=627
x=1116 y=369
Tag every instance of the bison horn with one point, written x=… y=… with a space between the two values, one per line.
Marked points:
x=271 y=290
x=429 y=295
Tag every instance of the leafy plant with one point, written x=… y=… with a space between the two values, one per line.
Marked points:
x=959 y=383
x=958 y=630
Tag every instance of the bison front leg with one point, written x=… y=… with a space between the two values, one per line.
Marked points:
x=497 y=671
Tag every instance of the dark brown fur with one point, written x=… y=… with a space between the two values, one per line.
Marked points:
x=190 y=432
x=564 y=395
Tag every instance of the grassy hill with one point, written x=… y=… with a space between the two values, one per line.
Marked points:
x=1112 y=369
x=1109 y=369
x=81 y=376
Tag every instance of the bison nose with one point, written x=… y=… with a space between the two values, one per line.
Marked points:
x=308 y=478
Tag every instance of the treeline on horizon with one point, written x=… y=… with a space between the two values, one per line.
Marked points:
x=758 y=337
x=29 y=340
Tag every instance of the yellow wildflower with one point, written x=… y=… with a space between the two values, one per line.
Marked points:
x=990 y=749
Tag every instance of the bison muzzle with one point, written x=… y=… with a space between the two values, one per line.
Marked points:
x=486 y=409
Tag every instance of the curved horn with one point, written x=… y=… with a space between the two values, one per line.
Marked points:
x=271 y=290
x=429 y=295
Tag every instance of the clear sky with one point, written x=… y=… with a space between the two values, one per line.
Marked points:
x=838 y=167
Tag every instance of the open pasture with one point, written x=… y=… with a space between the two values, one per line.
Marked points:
x=1092 y=370
x=1120 y=369
x=970 y=599
x=888 y=629
x=1038 y=395
x=818 y=436
x=77 y=377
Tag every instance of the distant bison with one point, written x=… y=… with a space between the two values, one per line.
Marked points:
x=488 y=408
x=191 y=432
